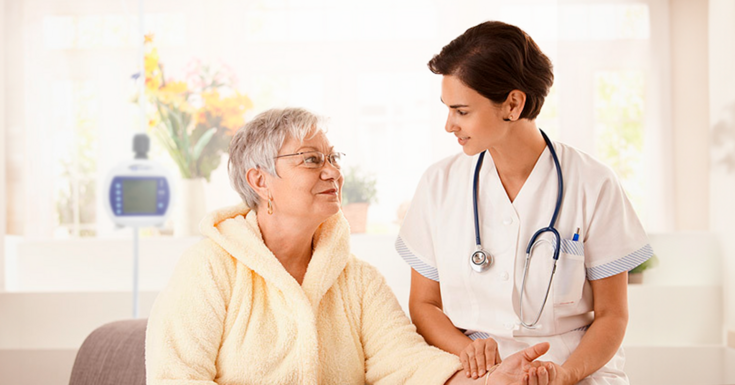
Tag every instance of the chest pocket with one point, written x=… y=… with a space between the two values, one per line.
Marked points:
x=570 y=273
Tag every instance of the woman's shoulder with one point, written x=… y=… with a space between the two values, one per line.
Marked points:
x=452 y=166
x=207 y=253
x=579 y=165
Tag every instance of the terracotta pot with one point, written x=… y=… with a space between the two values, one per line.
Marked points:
x=635 y=278
x=356 y=214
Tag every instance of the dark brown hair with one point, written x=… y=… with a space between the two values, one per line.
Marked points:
x=495 y=58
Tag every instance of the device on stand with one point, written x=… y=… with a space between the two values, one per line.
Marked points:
x=139 y=194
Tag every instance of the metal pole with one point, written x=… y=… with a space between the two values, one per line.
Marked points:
x=143 y=123
x=141 y=78
x=136 y=247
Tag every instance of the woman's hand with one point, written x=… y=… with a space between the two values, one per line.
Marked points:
x=511 y=371
x=479 y=356
x=561 y=375
x=540 y=373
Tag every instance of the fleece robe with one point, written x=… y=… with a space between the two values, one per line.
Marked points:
x=232 y=314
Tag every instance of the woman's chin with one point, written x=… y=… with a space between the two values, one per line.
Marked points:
x=327 y=209
x=471 y=151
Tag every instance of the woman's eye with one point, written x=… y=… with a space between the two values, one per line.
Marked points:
x=461 y=113
x=311 y=159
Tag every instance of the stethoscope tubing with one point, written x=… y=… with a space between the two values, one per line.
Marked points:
x=532 y=241
x=478 y=243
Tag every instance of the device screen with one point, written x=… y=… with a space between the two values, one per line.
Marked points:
x=139 y=196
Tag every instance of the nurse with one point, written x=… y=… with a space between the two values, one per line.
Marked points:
x=495 y=79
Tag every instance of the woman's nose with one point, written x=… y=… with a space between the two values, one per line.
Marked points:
x=330 y=171
x=449 y=126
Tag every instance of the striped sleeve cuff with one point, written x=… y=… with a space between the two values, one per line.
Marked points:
x=420 y=266
x=627 y=263
x=478 y=336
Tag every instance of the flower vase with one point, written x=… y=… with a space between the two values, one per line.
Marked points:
x=190 y=208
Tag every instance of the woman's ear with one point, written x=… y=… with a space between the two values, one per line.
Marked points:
x=256 y=180
x=515 y=102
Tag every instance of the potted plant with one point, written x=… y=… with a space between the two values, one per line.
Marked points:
x=193 y=118
x=636 y=275
x=358 y=192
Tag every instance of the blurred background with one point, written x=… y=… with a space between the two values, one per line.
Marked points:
x=646 y=86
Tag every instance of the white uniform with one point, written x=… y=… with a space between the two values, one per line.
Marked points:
x=438 y=237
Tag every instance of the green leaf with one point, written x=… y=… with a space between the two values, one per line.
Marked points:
x=649 y=263
x=202 y=142
x=358 y=187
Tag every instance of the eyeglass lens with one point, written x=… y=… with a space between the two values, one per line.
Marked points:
x=316 y=159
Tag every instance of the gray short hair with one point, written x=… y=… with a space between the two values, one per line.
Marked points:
x=257 y=144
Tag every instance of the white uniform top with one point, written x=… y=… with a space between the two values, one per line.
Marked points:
x=438 y=237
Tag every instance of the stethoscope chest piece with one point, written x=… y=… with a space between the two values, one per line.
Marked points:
x=481 y=260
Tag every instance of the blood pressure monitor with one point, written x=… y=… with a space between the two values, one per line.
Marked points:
x=139 y=191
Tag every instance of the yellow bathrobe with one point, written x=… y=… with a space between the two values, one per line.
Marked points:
x=232 y=314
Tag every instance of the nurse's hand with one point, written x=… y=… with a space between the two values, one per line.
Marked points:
x=511 y=371
x=479 y=356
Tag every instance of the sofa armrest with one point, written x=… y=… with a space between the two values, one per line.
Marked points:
x=112 y=354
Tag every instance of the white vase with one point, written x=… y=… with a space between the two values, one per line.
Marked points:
x=190 y=207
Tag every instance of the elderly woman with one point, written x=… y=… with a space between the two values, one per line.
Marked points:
x=272 y=294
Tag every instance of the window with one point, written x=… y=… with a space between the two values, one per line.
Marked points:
x=620 y=129
x=75 y=110
x=608 y=97
x=361 y=64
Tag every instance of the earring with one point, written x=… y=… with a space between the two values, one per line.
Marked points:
x=270 y=205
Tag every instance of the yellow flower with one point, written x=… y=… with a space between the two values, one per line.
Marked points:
x=174 y=92
x=153 y=76
x=176 y=87
x=151 y=61
x=227 y=113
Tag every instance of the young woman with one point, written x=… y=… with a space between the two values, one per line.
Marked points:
x=475 y=291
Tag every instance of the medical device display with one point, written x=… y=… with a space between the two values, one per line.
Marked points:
x=139 y=191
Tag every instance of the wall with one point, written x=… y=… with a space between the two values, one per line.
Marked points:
x=13 y=202
x=2 y=145
x=690 y=113
x=722 y=172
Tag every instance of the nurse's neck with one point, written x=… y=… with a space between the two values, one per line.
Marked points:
x=516 y=153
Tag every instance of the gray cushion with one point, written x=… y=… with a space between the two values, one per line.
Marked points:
x=113 y=354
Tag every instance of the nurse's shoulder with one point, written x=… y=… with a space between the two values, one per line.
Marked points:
x=448 y=172
x=580 y=166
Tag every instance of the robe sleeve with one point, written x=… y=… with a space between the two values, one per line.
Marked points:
x=185 y=326
x=394 y=352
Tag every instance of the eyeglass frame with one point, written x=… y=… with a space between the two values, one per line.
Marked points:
x=327 y=158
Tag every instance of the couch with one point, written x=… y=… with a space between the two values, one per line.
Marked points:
x=113 y=354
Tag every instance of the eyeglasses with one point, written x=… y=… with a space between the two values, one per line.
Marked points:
x=316 y=159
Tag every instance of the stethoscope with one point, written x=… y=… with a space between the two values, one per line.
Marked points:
x=480 y=260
